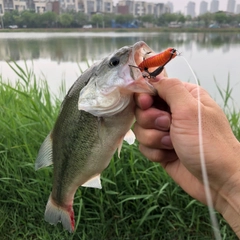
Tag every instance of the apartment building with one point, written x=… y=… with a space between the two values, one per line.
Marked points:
x=8 y=5
x=19 y=5
x=93 y=6
x=137 y=8
x=214 y=6
x=41 y=6
x=140 y=8
x=1 y=7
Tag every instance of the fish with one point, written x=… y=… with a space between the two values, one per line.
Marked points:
x=95 y=117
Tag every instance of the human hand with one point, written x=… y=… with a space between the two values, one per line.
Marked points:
x=171 y=137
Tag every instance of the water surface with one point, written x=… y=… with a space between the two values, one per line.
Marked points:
x=57 y=56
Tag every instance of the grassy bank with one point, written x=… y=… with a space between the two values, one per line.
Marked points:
x=138 y=199
x=155 y=29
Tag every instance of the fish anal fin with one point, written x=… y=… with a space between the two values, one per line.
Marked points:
x=94 y=182
x=44 y=157
x=55 y=213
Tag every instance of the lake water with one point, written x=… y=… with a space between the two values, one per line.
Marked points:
x=57 y=56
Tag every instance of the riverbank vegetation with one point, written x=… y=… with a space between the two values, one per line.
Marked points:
x=124 y=30
x=31 y=19
x=138 y=199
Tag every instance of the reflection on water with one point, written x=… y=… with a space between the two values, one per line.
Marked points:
x=77 y=47
x=211 y=55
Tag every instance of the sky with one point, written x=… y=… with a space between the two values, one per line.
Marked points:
x=179 y=5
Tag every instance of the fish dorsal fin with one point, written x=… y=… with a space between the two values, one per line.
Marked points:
x=93 y=182
x=129 y=138
x=44 y=157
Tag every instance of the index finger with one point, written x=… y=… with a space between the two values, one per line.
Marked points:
x=143 y=100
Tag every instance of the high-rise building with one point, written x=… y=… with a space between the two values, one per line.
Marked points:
x=214 y=6
x=1 y=8
x=170 y=6
x=231 y=6
x=238 y=9
x=203 y=7
x=191 y=9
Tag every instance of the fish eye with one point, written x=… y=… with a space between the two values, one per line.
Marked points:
x=114 y=61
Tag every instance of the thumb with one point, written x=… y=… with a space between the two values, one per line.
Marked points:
x=173 y=92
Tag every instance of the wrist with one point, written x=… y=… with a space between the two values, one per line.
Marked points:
x=230 y=210
x=228 y=200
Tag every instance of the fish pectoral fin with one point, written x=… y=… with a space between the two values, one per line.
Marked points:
x=44 y=157
x=130 y=137
x=93 y=182
x=120 y=147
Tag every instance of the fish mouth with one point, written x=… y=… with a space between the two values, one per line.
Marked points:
x=140 y=52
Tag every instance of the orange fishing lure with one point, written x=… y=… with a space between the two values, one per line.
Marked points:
x=160 y=60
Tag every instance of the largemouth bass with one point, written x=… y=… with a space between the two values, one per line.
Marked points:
x=95 y=116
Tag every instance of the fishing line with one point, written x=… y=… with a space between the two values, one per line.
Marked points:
x=212 y=214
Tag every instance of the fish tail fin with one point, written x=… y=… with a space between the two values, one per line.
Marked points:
x=55 y=213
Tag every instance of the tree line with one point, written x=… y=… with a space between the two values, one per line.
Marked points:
x=30 y=19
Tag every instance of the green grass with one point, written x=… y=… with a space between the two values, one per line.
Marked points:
x=138 y=199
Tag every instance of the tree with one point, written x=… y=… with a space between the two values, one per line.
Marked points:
x=11 y=18
x=30 y=19
x=181 y=18
x=18 y=20
x=148 y=18
x=124 y=19
x=166 y=18
x=97 y=20
x=189 y=18
x=107 y=18
x=80 y=19
x=237 y=18
x=48 y=19
x=220 y=17
x=8 y=19
x=66 y=19
x=206 y=18
x=170 y=17
x=231 y=19
x=120 y=19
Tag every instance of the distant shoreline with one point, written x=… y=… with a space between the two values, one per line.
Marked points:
x=159 y=29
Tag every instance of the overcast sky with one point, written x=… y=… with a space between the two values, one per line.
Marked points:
x=179 y=5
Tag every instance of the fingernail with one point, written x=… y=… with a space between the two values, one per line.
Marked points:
x=162 y=123
x=166 y=141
